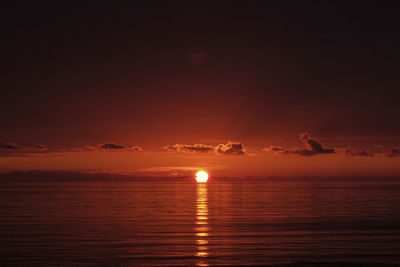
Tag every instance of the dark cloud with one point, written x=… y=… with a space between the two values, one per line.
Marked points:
x=12 y=149
x=110 y=146
x=230 y=148
x=312 y=147
x=354 y=152
x=280 y=150
x=392 y=152
x=17 y=148
x=10 y=146
x=189 y=148
x=274 y=149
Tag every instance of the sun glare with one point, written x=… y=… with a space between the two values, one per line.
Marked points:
x=202 y=177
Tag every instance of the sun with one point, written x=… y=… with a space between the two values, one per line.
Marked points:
x=201 y=177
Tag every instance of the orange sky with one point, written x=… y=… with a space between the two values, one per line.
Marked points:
x=230 y=88
x=245 y=161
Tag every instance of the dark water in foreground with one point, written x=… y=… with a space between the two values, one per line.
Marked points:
x=183 y=223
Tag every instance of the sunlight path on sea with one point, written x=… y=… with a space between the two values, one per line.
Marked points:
x=202 y=225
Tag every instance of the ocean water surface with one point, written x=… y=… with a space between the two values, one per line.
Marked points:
x=188 y=224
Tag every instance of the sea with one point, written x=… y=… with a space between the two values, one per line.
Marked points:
x=296 y=222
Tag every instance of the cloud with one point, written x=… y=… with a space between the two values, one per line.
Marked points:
x=111 y=146
x=392 y=152
x=12 y=147
x=362 y=153
x=278 y=150
x=230 y=148
x=312 y=147
x=274 y=148
x=189 y=148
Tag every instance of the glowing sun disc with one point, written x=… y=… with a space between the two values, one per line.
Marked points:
x=202 y=177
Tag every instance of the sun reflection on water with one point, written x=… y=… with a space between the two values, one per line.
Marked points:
x=202 y=222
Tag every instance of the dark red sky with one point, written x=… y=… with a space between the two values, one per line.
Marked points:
x=163 y=73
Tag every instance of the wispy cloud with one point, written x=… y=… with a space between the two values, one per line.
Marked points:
x=10 y=148
x=189 y=148
x=358 y=152
x=113 y=147
x=230 y=148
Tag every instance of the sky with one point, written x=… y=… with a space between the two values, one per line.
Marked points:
x=167 y=87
